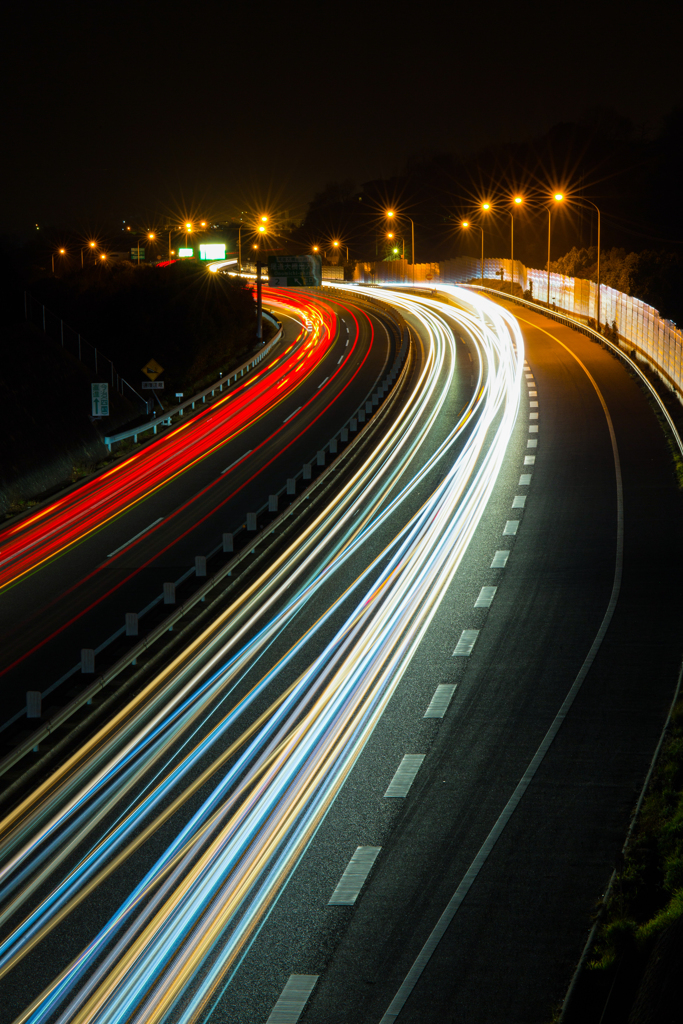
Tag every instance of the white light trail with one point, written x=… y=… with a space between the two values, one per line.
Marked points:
x=183 y=929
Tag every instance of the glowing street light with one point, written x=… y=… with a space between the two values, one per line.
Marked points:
x=150 y=235
x=390 y=234
x=517 y=202
x=60 y=252
x=391 y=214
x=558 y=197
x=91 y=245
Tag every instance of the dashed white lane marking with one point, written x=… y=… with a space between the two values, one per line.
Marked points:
x=438 y=705
x=292 y=414
x=519 y=501
x=529 y=460
x=235 y=462
x=532 y=443
x=340 y=360
x=293 y=998
x=500 y=559
x=525 y=478
x=533 y=415
x=468 y=639
x=534 y=429
x=347 y=343
x=533 y=394
x=122 y=546
x=511 y=528
x=486 y=596
x=533 y=405
x=323 y=382
x=355 y=874
x=405 y=775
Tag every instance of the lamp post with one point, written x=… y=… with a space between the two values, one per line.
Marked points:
x=518 y=200
x=390 y=215
x=259 y=298
x=150 y=236
x=558 y=197
x=466 y=224
x=61 y=252
x=90 y=245
x=239 y=248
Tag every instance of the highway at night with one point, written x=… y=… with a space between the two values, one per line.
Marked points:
x=72 y=570
x=388 y=779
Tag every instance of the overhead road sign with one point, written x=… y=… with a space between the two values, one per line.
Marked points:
x=152 y=385
x=99 y=394
x=152 y=369
x=295 y=271
x=212 y=251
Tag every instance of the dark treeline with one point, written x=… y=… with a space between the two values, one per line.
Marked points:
x=632 y=178
x=191 y=321
x=650 y=275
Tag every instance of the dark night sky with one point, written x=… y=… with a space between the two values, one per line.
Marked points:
x=112 y=111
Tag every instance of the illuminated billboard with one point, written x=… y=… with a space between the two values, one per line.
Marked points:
x=212 y=251
x=184 y=253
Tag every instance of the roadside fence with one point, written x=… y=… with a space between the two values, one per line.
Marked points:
x=54 y=327
x=631 y=323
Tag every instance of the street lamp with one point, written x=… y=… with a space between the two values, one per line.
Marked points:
x=337 y=245
x=558 y=197
x=391 y=214
x=61 y=252
x=150 y=236
x=518 y=202
x=91 y=245
x=390 y=234
x=466 y=224
x=259 y=300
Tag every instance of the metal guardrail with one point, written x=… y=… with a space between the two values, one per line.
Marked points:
x=178 y=410
x=364 y=413
x=590 y=332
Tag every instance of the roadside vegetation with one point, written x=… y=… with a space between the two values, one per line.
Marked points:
x=633 y=974
x=192 y=322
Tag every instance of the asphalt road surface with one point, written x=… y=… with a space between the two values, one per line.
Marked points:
x=80 y=598
x=557 y=643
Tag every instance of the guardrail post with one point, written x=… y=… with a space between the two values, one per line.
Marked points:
x=321 y=458
x=87 y=660
x=353 y=425
x=251 y=522
x=200 y=565
x=344 y=434
x=272 y=502
x=307 y=471
x=361 y=416
x=291 y=485
x=368 y=408
x=169 y=593
x=228 y=542
x=131 y=623
x=333 y=446
x=34 y=704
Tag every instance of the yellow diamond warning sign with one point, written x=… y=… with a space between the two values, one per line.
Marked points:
x=152 y=369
